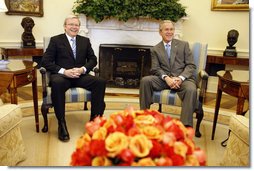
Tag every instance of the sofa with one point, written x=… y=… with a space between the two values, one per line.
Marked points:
x=237 y=151
x=12 y=148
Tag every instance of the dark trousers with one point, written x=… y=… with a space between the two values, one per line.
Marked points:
x=60 y=84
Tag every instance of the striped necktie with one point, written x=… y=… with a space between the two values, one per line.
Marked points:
x=168 y=48
x=73 y=47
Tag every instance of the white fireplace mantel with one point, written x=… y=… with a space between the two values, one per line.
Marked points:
x=141 y=24
x=142 y=31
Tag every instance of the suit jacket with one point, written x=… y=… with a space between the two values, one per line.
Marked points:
x=59 y=54
x=181 y=60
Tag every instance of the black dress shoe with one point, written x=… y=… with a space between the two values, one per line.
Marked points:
x=63 y=133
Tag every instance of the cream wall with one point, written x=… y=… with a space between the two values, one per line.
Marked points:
x=212 y=26
x=202 y=25
x=50 y=24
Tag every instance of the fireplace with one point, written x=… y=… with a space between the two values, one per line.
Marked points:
x=123 y=65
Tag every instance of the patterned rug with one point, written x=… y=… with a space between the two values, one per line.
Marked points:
x=119 y=103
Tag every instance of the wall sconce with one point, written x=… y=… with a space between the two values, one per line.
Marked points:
x=3 y=7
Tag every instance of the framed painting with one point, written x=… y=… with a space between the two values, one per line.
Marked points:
x=25 y=7
x=230 y=5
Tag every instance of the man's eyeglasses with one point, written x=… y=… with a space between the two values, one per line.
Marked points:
x=76 y=25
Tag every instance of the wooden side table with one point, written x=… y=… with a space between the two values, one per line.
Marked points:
x=36 y=53
x=19 y=73
x=234 y=83
x=214 y=62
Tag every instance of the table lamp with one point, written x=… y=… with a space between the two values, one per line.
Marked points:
x=3 y=7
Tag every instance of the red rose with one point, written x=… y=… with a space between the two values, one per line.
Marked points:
x=80 y=158
x=127 y=156
x=178 y=132
x=97 y=148
x=128 y=122
x=178 y=160
x=133 y=131
x=168 y=150
x=156 y=149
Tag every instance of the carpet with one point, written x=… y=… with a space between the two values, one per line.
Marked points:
x=119 y=103
x=44 y=149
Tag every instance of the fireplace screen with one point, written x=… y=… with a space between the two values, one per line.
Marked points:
x=124 y=65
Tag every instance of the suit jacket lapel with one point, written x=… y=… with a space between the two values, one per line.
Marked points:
x=77 y=46
x=173 y=52
x=67 y=45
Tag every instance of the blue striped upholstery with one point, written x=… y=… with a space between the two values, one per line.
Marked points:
x=71 y=95
x=170 y=97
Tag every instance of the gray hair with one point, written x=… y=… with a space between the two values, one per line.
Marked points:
x=70 y=17
x=165 y=21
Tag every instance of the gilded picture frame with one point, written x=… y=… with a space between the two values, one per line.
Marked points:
x=25 y=7
x=230 y=5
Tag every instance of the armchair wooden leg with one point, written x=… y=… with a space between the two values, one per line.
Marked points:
x=199 y=116
x=85 y=106
x=160 y=107
x=44 y=111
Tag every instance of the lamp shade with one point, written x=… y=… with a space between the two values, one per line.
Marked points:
x=3 y=7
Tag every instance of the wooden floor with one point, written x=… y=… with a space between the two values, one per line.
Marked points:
x=227 y=102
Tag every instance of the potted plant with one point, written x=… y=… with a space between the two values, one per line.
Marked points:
x=123 y=10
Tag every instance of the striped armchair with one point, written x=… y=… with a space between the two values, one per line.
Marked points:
x=170 y=97
x=75 y=94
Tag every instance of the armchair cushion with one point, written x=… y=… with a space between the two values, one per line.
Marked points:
x=71 y=95
x=237 y=152
x=12 y=148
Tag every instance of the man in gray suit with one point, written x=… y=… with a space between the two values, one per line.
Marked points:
x=172 y=68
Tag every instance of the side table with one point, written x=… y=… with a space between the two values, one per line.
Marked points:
x=234 y=83
x=36 y=53
x=19 y=73
x=215 y=63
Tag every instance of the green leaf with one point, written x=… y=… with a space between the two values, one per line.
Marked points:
x=124 y=10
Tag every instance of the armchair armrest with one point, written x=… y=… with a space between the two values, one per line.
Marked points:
x=43 y=72
x=203 y=75
x=96 y=71
x=202 y=83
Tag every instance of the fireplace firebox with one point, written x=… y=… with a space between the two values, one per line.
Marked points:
x=124 y=65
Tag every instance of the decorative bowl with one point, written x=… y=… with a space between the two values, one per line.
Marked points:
x=3 y=64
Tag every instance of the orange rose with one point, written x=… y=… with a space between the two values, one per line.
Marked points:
x=101 y=161
x=101 y=134
x=82 y=140
x=140 y=145
x=152 y=132
x=180 y=148
x=141 y=120
x=191 y=160
x=115 y=143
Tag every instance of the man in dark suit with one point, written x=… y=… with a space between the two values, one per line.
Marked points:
x=172 y=68
x=70 y=57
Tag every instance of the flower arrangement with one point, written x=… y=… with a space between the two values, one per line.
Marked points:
x=137 y=138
